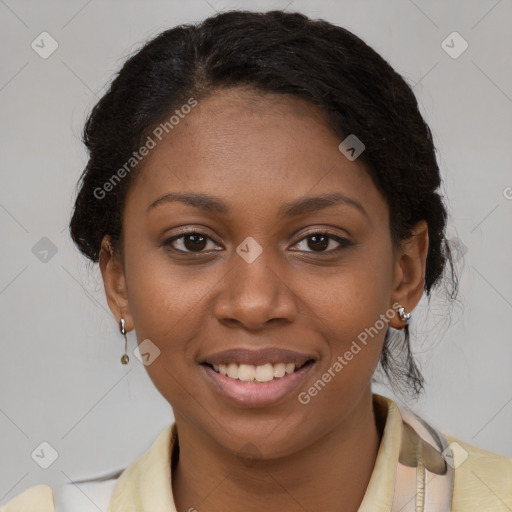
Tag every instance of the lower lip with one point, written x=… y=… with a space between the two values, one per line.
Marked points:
x=257 y=394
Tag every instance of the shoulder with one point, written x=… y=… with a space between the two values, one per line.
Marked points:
x=95 y=494
x=483 y=479
x=90 y=496
x=36 y=498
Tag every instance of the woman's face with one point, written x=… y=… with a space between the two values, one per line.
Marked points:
x=252 y=285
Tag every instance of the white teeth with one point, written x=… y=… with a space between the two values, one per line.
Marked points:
x=233 y=370
x=279 y=370
x=246 y=372
x=264 y=373
x=249 y=372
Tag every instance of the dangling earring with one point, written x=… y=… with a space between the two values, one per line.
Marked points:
x=403 y=315
x=124 y=358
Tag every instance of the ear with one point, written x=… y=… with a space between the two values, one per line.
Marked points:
x=409 y=272
x=114 y=283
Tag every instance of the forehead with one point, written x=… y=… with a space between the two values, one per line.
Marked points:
x=253 y=149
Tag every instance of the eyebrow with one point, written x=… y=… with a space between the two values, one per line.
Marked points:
x=211 y=204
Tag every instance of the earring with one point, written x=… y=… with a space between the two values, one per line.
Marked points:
x=124 y=357
x=403 y=315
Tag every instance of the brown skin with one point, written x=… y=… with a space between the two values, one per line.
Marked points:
x=256 y=152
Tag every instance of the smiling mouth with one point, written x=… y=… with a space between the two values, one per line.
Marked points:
x=262 y=373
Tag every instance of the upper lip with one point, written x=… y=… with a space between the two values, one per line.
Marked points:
x=258 y=357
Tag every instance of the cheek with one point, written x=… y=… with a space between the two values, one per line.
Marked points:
x=354 y=317
x=163 y=312
x=159 y=303
x=163 y=297
x=356 y=295
x=172 y=306
x=354 y=321
x=169 y=301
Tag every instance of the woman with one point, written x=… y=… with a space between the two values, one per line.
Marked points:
x=262 y=199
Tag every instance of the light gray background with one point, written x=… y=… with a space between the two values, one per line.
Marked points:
x=60 y=376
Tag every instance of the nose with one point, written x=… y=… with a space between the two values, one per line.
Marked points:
x=255 y=294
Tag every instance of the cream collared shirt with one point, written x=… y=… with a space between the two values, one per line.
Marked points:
x=483 y=480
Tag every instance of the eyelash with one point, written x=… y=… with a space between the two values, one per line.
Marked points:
x=344 y=243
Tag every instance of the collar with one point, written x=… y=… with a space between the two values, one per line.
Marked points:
x=145 y=485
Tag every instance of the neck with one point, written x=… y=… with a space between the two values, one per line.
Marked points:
x=330 y=474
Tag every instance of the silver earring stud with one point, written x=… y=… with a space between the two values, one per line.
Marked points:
x=403 y=315
x=124 y=358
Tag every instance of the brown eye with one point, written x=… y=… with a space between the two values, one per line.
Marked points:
x=319 y=241
x=188 y=242
x=194 y=242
